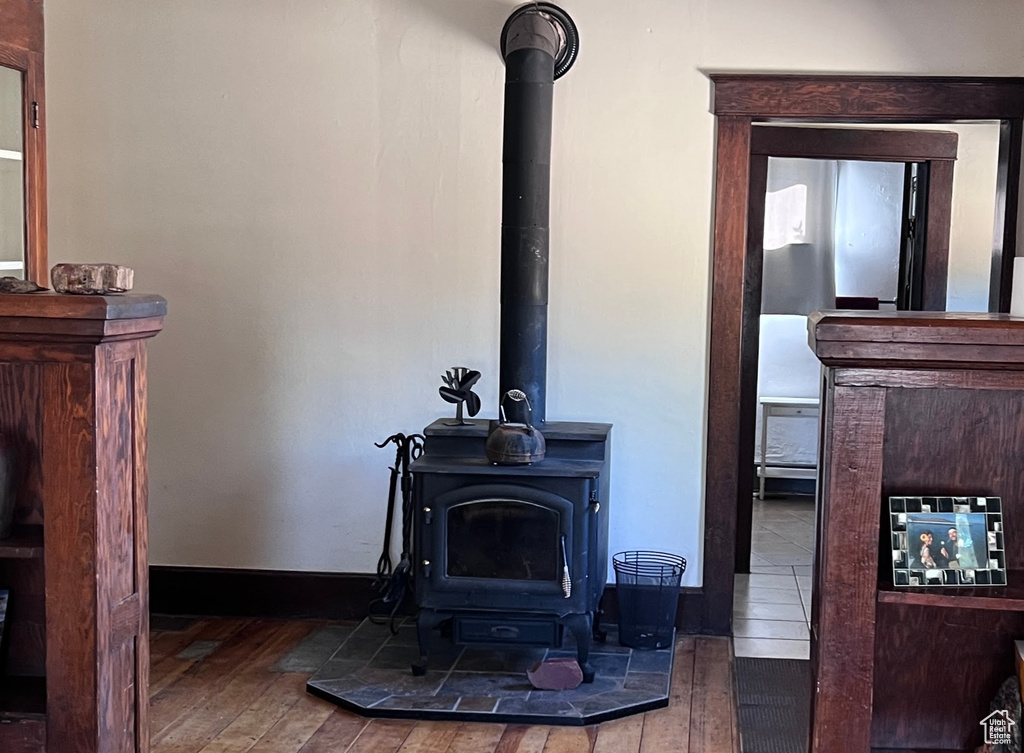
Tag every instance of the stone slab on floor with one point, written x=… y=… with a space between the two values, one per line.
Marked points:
x=370 y=673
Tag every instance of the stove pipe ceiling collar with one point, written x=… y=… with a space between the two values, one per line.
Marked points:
x=539 y=44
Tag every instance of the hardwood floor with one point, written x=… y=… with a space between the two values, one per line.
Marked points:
x=214 y=690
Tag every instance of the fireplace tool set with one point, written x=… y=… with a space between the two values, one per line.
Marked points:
x=393 y=583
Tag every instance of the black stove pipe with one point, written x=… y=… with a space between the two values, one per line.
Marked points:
x=532 y=42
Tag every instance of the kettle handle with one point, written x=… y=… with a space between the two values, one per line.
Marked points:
x=518 y=396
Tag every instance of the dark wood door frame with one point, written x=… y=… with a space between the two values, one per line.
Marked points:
x=935 y=149
x=739 y=101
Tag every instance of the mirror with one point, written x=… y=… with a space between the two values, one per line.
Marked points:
x=12 y=175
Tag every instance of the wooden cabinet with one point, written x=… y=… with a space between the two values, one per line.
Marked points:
x=73 y=402
x=914 y=404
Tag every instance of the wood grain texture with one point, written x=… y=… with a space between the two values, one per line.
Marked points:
x=68 y=460
x=135 y=358
x=620 y=735
x=382 y=736
x=25 y=542
x=21 y=24
x=107 y=308
x=842 y=636
x=570 y=740
x=23 y=736
x=917 y=339
x=953 y=430
x=753 y=265
x=862 y=144
x=168 y=643
x=1009 y=598
x=195 y=709
x=36 y=234
x=338 y=732
x=732 y=184
x=166 y=666
x=429 y=736
x=476 y=737
x=910 y=706
x=292 y=732
x=670 y=727
x=521 y=738
x=893 y=99
x=712 y=713
x=283 y=719
x=938 y=217
x=72 y=403
x=930 y=379
x=256 y=721
x=13 y=56
x=118 y=586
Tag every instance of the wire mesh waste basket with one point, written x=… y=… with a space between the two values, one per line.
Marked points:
x=647 y=586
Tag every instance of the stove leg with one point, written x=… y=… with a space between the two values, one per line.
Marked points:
x=582 y=627
x=599 y=635
x=426 y=621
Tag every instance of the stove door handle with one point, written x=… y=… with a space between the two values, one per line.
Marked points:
x=566 y=579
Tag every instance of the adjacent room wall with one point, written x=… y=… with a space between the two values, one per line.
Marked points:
x=315 y=188
x=869 y=204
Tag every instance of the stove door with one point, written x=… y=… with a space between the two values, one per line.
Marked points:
x=492 y=544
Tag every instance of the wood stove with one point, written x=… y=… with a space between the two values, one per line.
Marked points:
x=505 y=554
x=492 y=541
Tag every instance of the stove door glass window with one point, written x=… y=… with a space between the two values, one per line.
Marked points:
x=503 y=538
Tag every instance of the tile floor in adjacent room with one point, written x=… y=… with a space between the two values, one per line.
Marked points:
x=772 y=605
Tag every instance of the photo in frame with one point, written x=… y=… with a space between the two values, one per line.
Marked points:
x=947 y=541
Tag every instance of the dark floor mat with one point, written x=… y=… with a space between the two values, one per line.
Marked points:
x=774 y=704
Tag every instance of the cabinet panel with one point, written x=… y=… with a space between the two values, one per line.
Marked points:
x=957 y=441
x=936 y=670
x=69 y=463
x=953 y=425
x=116 y=498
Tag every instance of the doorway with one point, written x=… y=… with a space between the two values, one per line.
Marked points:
x=837 y=221
x=807 y=251
x=740 y=101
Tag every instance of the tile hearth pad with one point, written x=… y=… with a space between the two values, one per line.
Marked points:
x=369 y=673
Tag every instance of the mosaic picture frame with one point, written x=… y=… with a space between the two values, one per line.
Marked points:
x=947 y=541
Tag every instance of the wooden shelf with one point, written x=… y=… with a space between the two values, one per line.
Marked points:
x=25 y=543
x=23 y=736
x=22 y=698
x=1008 y=598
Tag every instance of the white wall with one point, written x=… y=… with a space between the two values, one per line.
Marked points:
x=869 y=215
x=971 y=226
x=315 y=188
